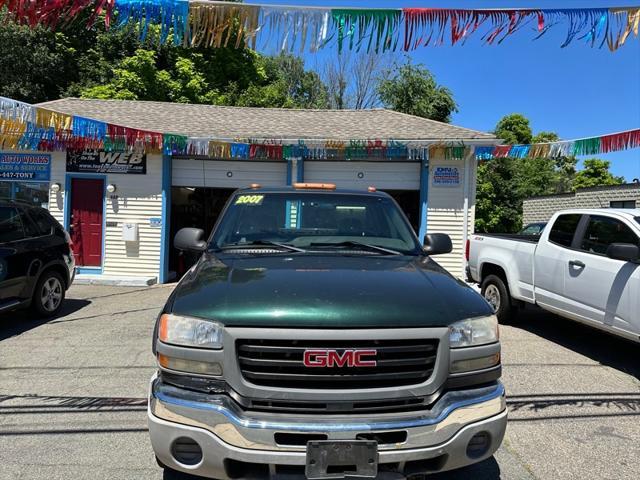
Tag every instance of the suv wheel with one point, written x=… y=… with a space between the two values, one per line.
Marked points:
x=495 y=291
x=49 y=294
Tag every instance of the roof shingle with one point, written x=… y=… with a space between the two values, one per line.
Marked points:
x=264 y=123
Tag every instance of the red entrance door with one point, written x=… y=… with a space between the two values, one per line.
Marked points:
x=87 y=197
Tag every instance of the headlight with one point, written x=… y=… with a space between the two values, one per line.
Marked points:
x=190 y=332
x=473 y=332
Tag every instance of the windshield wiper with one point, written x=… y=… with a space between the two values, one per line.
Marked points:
x=352 y=243
x=268 y=243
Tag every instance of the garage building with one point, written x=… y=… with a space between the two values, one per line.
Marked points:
x=129 y=206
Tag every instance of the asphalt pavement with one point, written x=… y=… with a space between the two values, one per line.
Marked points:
x=73 y=395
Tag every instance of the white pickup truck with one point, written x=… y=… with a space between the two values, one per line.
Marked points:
x=585 y=266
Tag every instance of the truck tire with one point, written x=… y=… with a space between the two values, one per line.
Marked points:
x=495 y=291
x=48 y=295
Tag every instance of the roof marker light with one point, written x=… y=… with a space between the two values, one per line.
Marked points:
x=372 y=189
x=314 y=186
x=255 y=185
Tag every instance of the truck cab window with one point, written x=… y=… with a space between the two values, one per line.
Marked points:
x=11 y=228
x=603 y=231
x=564 y=228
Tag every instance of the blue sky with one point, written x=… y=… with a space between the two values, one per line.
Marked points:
x=576 y=91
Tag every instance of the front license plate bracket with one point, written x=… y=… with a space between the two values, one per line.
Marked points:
x=341 y=459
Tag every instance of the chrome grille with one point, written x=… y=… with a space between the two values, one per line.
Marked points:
x=279 y=363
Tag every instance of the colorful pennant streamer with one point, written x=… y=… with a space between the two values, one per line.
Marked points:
x=221 y=24
x=53 y=13
x=565 y=148
x=27 y=127
x=171 y=15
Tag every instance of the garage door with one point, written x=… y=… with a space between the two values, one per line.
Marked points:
x=360 y=175
x=227 y=174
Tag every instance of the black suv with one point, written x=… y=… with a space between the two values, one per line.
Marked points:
x=36 y=260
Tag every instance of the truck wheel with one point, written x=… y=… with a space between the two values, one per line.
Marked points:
x=495 y=291
x=48 y=294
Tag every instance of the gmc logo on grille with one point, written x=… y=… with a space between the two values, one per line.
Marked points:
x=333 y=358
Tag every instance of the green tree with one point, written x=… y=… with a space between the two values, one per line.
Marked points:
x=138 y=77
x=497 y=206
x=39 y=65
x=287 y=84
x=514 y=129
x=413 y=89
x=596 y=173
x=504 y=183
x=35 y=63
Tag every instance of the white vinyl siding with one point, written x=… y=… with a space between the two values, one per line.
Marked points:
x=56 y=200
x=137 y=199
x=227 y=174
x=382 y=175
x=445 y=213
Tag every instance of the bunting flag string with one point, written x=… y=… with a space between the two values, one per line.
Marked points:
x=565 y=148
x=292 y=26
x=28 y=127
x=171 y=15
x=214 y=25
x=225 y=24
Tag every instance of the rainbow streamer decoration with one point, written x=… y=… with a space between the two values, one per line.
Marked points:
x=227 y=24
x=564 y=148
x=27 y=127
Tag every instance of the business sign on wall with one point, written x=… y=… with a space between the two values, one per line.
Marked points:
x=446 y=176
x=98 y=161
x=32 y=167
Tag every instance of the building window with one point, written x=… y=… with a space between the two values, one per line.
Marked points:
x=36 y=193
x=5 y=190
x=622 y=204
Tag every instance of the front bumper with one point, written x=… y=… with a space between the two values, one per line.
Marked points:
x=436 y=439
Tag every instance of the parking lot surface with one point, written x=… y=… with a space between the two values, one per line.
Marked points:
x=73 y=395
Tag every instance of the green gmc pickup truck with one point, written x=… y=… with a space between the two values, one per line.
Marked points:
x=316 y=336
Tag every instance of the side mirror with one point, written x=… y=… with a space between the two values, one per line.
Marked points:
x=627 y=252
x=437 y=243
x=190 y=239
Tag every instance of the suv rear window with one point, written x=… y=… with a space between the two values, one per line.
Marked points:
x=43 y=219
x=564 y=228
x=11 y=228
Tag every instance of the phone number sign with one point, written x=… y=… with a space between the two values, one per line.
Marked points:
x=34 y=167
x=446 y=176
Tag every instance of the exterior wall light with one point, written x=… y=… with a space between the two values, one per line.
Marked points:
x=55 y=187
x=111 y=188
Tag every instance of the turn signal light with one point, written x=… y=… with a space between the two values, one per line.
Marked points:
x=189 y=366
x=475 y=363
x=314 y=186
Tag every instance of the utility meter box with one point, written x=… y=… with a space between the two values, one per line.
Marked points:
x=130 y=232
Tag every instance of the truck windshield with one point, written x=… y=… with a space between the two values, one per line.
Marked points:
x=315 y=220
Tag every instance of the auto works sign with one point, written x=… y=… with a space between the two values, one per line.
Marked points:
x=98 y=161
x=34 y=167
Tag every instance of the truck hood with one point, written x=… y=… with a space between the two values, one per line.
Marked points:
x=325 y=291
